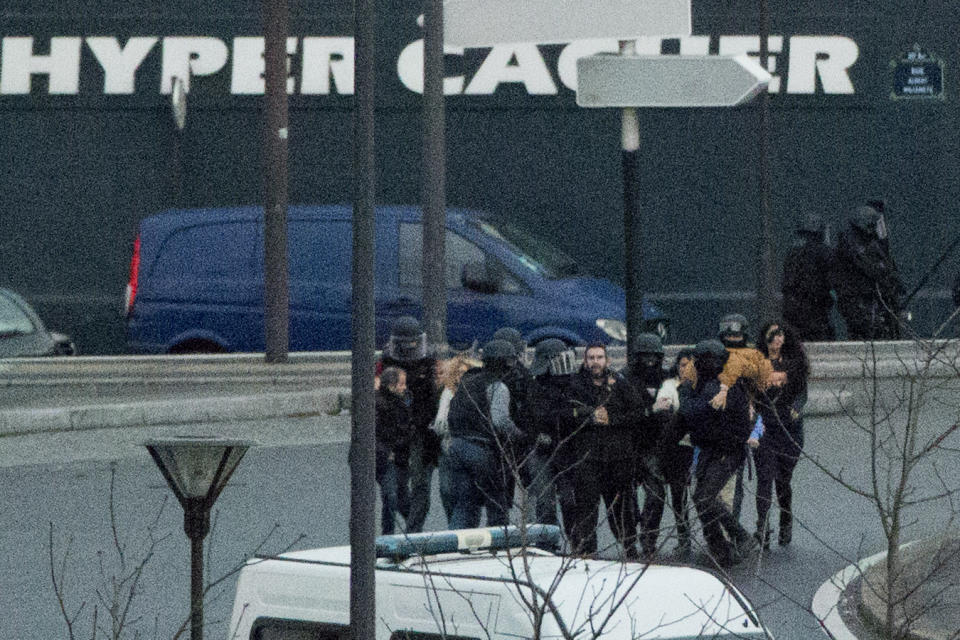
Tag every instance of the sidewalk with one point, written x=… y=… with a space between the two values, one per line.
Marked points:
x=929 y=586
x=173 y=411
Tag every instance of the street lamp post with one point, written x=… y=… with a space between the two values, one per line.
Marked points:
x=196 y=470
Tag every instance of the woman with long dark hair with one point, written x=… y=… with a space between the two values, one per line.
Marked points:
x=781 y=407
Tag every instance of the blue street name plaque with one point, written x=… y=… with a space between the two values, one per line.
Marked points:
x=917 y=75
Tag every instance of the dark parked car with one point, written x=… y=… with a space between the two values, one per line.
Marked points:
x=23 y=334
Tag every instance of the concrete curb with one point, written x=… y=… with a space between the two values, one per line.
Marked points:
x=826 y=601
x=174 y=412
x=920 y=560
x=256 y=406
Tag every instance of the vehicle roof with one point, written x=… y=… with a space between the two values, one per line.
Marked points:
x=689 y=601
x=294 y=211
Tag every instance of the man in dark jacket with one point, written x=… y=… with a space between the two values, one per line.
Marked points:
x=407 y=349
x=867 y=283
x=807 y=298
x=603 y=405
x=720 y=436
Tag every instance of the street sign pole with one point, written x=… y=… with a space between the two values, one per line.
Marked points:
x=434 y=167
x=626 y=81
x=766 y=281
x=632 y=242
x=276 y=303
x=362 y=438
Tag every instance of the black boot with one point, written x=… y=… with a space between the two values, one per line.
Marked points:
x=762 y=534
x=785 y=534
x=763 y=538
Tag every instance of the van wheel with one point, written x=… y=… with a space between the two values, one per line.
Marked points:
x=197 y=346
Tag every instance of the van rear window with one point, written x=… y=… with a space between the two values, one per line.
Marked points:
x=210 y=251
x=279 y=629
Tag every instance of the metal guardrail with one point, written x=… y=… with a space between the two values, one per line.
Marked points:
x=829 y=360
x=76 y=393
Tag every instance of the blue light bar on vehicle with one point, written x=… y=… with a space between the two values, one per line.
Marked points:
x=398 y=547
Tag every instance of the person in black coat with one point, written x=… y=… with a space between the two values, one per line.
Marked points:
x=807 y=297
x=720 y=436
x=553 y=419
x=866 y=280
x=645 y=375
x=782 y=410
x=603 y=442
x=392 y=438
x=407 y=349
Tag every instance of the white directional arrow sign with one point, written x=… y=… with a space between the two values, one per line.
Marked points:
x=668 y=81
x=484 y=23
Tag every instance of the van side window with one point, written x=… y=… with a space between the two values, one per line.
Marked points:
x=458 y=251
x=419 y=635
x=13 y=319
x=209 y=251
x=320 y=251
x=277 y=629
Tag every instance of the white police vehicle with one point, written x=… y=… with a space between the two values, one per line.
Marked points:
x=487 y=584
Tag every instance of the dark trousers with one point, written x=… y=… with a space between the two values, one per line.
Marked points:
x=714 y=470
x=775 y=460
x=655 y=485
x=538 y=482
x=386 y=474
x=414 y=485
x=614 y=483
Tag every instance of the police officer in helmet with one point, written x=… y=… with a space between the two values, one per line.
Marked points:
x=407 y=349
x=481 y=434
x=654 y=441
x=720 y=436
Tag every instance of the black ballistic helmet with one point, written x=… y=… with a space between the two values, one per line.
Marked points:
x=732 y=325
x=812 y=224
x=544 y=352
x=865 y=219
x=647 y=343
x=497 y=351
x=514 y=337
x=407 y=340
x=709 y=356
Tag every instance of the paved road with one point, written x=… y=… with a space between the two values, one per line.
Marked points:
x=299 y=481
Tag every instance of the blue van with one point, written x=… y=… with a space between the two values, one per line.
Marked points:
x=196 y=281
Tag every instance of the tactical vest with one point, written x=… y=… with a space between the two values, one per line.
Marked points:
x=469 y=416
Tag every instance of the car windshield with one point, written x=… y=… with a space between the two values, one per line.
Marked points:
x=535 y=253
x=13 y=320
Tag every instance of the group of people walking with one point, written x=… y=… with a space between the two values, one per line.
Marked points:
x=566 y=439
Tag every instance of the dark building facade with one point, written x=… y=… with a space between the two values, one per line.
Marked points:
x=89 y=144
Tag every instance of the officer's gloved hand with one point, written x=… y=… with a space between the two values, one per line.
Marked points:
x=543 y=443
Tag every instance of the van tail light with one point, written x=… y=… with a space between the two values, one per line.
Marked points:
x=131 y=292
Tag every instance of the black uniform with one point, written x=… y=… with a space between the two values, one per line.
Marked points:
x=721 y=436
x=606 y=464
x=806 y=288
x=552 y=415
x=866 y=281
x=661 y=463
